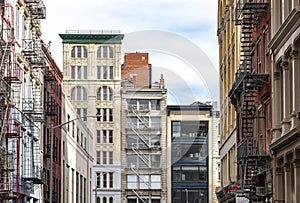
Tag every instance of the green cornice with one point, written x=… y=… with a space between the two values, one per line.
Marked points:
x=91 y=38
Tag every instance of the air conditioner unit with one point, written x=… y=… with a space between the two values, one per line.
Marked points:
x=260 y=191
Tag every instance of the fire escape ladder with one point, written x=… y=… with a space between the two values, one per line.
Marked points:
x=31 y=154
x=143 y=124
x=141 y=197
x=143 y=157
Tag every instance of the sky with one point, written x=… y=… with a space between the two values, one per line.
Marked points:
x=179 y=35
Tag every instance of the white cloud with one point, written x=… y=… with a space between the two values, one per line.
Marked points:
x=194 y=20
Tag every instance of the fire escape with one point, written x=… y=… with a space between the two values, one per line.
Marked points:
x=141 y=150
x=243 y=96
x=32 y=107
x=51 y=113
x=10 y=123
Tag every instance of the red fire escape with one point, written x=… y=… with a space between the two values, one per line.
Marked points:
x=243 y=96
x=10 y=123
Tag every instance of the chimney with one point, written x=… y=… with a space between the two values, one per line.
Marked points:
x=162 y=81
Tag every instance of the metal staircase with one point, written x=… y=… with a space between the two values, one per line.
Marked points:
x=244 y=93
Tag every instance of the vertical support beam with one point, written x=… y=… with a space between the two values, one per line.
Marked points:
x=288 y=182
x=296 y=85
x=286 y=96
x=276 y=101
x=278 y=184
x=296 y=168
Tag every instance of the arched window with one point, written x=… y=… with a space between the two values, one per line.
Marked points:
x=104 y=200
x=79 y=52
x=111 y=200
x=98 y=200
x=79 y=93
x=105 y=52
x=105 y=93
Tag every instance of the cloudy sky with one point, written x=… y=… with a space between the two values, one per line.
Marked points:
x=188 y=57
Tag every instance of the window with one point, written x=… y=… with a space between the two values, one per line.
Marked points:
x=98 y=157
x=105 y=93
x=78 y=72
x=155 y=104
x=104 y=157
x=266 y=39
x=144 y=181
x=104 y=200
x=110 y=157
x=148 y=161
x=82 y=112
x=107 y=136
x=267 y=124
x=79 y=52
x=79 y=93
x=260 y=135
x=105 y=52
x=111 y=200
x=98 y=180
x=111 y=179
x=107 y=114
x=98 y=136
x=259 y=65
x=105 y=72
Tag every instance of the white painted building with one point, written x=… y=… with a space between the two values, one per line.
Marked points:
x=77 y=159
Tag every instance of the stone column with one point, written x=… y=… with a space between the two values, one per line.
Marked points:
x=287 y=182
x=296 y=168
x=286 y=97
x=295 y=88
x=276 y=92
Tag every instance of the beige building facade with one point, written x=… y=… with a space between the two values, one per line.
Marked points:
x=92 y=81
x=285 y=45
x=228 y=36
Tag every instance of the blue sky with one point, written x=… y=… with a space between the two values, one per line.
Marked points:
x=192 y=21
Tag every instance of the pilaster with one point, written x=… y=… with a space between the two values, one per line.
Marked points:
x=286 y=96
x=296 y=85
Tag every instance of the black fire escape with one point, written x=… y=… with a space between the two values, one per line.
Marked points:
x=243 y=96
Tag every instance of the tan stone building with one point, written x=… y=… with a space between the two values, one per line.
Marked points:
x=285 y=45
x=229 y=58
x=92 y=81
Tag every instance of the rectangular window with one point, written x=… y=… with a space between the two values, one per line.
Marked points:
x=266 y=39
x=111 y=136
x=110 y=114
x=267 y=124
x=98 y=180
x=99 y=113
x=111 y=72
x=175 y=129
x=84 y=114
x=79 y=72
x=259 y=68
x=84 y=72
x=111 y=157
x=105 y=51
x=131 y=181
x=155 y=104
x=98 y=136
x=73 y=72
x=104 y=157
x=98 y=72
x=98 y=157
x=78 y=111
x=104 y=136
x=104 y=115
x=111 y=179
x=104 y=180
x=105 y=72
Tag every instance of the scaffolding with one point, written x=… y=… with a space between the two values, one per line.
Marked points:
x=243 y=96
